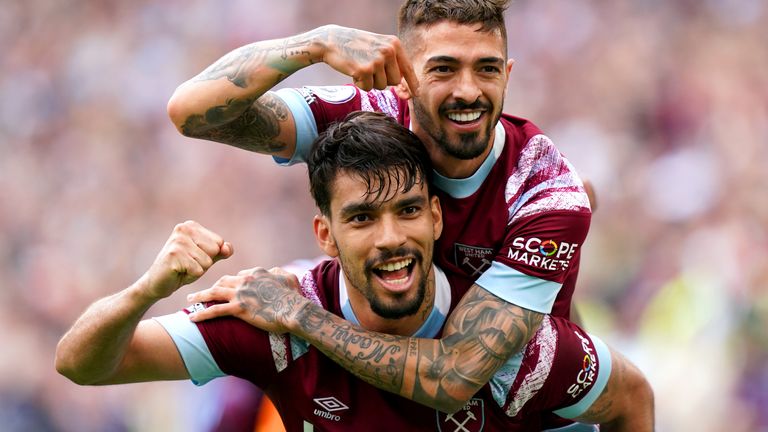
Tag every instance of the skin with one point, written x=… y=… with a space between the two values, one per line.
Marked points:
x=109 y=344
x=440 y=77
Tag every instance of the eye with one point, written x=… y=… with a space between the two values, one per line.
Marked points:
x=360 y=218
x=441 y=69
x=411 y=210
x=490 y=69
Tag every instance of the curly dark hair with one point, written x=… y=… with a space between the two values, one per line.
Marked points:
x=373 y=147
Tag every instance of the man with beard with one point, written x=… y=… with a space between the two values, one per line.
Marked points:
x=369 y=177
x=516 y=212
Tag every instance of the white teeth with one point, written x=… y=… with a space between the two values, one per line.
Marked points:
x=395 y=266
x=465 y=117
x=398 y=281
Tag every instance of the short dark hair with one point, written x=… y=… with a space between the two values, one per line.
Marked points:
x=372 y=146
x=488 y=13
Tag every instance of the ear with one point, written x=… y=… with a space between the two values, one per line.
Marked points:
x=437 y=216
x=510 y=63
x=322 y=227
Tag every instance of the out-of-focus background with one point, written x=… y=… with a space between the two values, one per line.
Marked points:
x=662 y=104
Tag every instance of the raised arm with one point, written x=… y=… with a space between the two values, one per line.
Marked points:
x=109 y=344
x=230 y=102
x=481 y=333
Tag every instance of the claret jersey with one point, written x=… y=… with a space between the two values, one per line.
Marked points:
x=562 y=369
x=515 y=227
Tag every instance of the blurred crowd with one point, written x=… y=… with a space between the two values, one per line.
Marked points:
x=663 y=105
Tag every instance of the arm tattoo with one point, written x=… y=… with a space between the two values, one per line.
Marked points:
x=240 y=63
x=247 y=124
x=482 y=333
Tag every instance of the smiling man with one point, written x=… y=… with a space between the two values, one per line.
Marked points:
x=501 y=181
x=369 y=177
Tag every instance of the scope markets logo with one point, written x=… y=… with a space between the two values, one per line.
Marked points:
x=544 y=254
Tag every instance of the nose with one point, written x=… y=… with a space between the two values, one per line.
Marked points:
x=390 y=234
x=466 y=88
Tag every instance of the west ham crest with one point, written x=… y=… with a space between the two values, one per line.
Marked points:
x=473 y=260
x=471 y=418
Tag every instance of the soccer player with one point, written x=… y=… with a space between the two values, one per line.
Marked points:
x=379 y=219
x=516 y=213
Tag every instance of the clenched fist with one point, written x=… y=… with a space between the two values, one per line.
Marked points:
x=189 y=252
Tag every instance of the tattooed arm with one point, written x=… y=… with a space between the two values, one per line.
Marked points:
x=481 y=333
x=230 y=101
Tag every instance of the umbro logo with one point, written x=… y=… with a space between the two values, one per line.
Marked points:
x=330 y=404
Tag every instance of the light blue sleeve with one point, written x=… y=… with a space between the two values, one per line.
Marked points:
x=604 y=372
x=306 y=127
x=192 y=347
x=518 y=288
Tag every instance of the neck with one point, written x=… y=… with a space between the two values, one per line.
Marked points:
x=405 y=326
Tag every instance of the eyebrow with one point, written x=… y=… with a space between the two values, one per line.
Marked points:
x=454 y=60
x=369 y=207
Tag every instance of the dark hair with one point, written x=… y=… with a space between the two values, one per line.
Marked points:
x=488 y=13
x=372 y=146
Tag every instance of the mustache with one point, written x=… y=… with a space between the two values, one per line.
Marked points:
x=459 y=105
x=388 y=255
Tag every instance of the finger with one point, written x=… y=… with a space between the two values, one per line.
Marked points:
x=213 y=294
x=226 y=251
x=392 y=70
x=380 y=77
x=229 y=281
x=214 y=311
x=246 y=271
x=207 y=240
x=406 y=69
x=364 y=81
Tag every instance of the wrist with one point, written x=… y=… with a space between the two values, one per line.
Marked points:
x=294 y=322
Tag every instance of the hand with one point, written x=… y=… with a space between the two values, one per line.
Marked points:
x=189 y=252
x=372 y=60
x=265 y=299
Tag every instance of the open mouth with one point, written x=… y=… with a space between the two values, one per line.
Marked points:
x=395 y=273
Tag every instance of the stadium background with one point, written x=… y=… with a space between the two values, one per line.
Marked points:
x=662 y=104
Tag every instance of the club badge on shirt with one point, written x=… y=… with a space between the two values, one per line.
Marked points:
x=471 y=418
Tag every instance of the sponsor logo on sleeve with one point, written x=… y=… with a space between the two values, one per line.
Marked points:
x=471 y=418
x=543 y=254
x=586 y=376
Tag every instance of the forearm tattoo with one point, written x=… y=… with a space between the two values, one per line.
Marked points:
x=482 y=333
x=251 y=123
x=244 y=123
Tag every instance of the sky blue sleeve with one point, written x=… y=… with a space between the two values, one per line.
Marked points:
x=192 y=347
x=518 y=288
x=604 y=372
x=306 y=127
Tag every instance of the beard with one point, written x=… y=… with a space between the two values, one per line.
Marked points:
x=464 y=147
x=402 y=306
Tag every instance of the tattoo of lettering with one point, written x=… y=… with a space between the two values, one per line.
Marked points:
x=244 y=123
x=377 y=358
x=481 y=334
